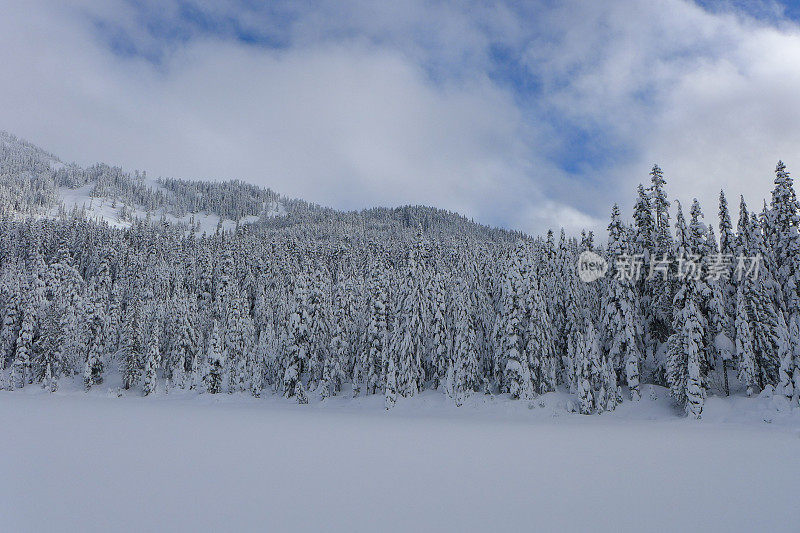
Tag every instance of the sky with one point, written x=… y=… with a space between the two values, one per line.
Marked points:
x=526 y=115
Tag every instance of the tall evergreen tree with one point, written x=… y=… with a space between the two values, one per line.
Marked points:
x=516 y=367
x=687 y=350
x=783 y=236
x=622 y=322
x=21 y=368
x=409 y=336
x=745 y=354
x=661 y=289
x=215 y=362
x=297 y=342
x=151 y=366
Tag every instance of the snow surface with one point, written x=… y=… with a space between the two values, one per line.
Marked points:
x=94 y=462
x=102 y=209
x=99 y=209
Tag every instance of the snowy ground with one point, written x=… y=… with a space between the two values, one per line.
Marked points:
x=95 y=462
x=107 y=210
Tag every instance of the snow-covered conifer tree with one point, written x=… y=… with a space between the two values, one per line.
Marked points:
x=464 y=367
x=215 y=362
x=687 y=354
x=439 y=349
x=661 y=290
x=390 y=391
x=21 y=368
x=374 y=355
x=300 y=393
x=184 y=345
x=132 y=352
x=745 y=354
x=151 y=364
x=9 y=330
x=783 y=237
x=409 y=336
x=516 y=367
x=297 y=342
x=538 y=340
x=622 y=322
x=333 y=373
x=692 y=336
x=583 y=377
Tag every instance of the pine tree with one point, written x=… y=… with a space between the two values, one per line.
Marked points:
x=94 y=365
x=21 y=369
x=132 y=352
x=215 y=362
x=9 y=331
x=258 y=365
x=571 y=312
x=49 y=381
x=463 y=373
x=768 y=325
x=390 y=392
x=72 y=346
x=692 y=339
x=661 y=291
x=297 y=343
x=267 y=371
x=516 y=367
x=621 y=318
x=409 y=336
x=332 y=372
x=596 y=379
x=724 y=311
x=375 y=355
x=538 y=341
x=783 y=236
x=744 y=344
x=687 y=352
x=318 y=327
x=727 y=240
x=583 y=378
x=151 y=366
x=300 y=393
x=439 y=349
x=184 y=345
x=48 y=362
x=643 y=222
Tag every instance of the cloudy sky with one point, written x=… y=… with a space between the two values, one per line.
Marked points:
x=527 y=115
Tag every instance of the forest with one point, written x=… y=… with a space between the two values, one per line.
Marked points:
x=312 y=302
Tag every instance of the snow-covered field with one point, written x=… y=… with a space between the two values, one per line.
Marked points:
x=107 y=210
x=94 y=462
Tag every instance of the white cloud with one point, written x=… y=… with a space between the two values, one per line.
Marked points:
x=348 y=124
x=710 y=97
x=729 y=120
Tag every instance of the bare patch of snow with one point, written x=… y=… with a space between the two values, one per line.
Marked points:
x=104 y=209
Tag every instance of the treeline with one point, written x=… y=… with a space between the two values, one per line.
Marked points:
x=392 y=302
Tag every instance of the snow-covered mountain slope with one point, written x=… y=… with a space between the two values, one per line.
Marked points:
x=36 y=183
x=121 y=215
